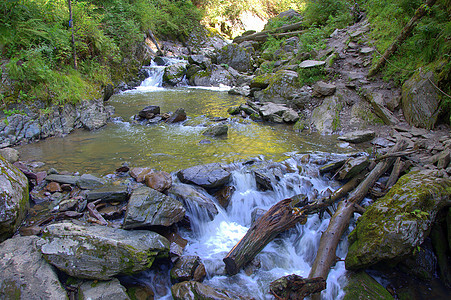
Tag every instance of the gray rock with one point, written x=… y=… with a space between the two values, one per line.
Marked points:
x=149 y=112
x=200 y=60
x=68 y=179
x=367 y=50
x=100 y=252
x=88 y=181
x=178 y=116
x=175 y=73
x=193 y=290
x=148 y=207
x=278 y=113
x=13 y=198
x=236 y=57
x=353 y=167
x=214 y=76
x=240 y=90
x=358 y=136
x=10 y=154
x=194 y=201
x=282 y=87
x=188 y=268
x=420 y=100
x=108 y=91
x=325 y=117
x=25 y=274
x=208 y=176
x=117 y=193
x=93 y=114
x=217 y=130
x=393 y=227
x=103 y=290
x=311 y=64
x=321 y=89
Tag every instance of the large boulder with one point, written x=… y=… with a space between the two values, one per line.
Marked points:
x=360 y=285
x=236 y=57
x=148 y=207
x=400 y=221
x=208 y=176
x=100 y=252
x=25 y=273
x=283 y=87
x=193 y=290
x=93 y=114
x=175 y=73
x=13 y=198
x=278 y=113
x=102 y=290
x=326 y=117
x=214 y=75
x=420 y=101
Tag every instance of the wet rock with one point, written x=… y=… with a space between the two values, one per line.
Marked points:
x=420 y=101
x=217 y=130
x=102 y=290
x=353 y=167
x=208 y=176
x=281 y=89
x=88 y=181
x=236 y=57
x=25 y=274
x=321 y=89
x=175 y=251
x=244 y=91
x=267 y=178
x=358 y=136
x=200 y=60
x=193 y=200
x=178 y=116
x=224 y=195
x=115 y=193
x=140 y=173
x=14 y=198
x=67 y=179
x=214 y=76
x=332 y=166
x=360 y=285
x=311 y=64
x=11 y=155
x=278 y=113
x=188 y=268
x=148 y=207
x=193 y=290
x=393 y=227
x=100 y=252
x=422 y=264
x=158 y=180
x=93 y=114
x=256 y=214
x=70 y=204
x=108 y=91
x=174 y=73
x=149 y=112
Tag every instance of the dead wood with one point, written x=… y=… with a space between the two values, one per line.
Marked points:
x=154 y=40
x=294 y=287
x=93 y=212
x=263 y=35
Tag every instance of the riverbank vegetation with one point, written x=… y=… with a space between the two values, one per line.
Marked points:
x=37 y=52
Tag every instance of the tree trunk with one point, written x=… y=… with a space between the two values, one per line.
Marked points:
x=263 y=35
x=154 y=40
x=405 y=33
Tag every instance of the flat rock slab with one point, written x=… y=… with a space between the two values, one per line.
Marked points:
x=357 y=137
x=65 y=179
x=208 y=176
x=148 y=207
x=311 y=64
x=109 y=194
x=100 y=252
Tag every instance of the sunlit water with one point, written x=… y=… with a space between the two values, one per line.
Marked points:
x=172 y=147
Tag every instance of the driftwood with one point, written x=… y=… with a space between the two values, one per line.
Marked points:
x=397 y=168
x=405 y=33
x=294 y=287
x=282 y=216
x=263 y=35
x=326 y=257
x=395 y=154
x=154 y=40
x=93 y=212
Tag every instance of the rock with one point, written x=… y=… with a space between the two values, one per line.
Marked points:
x=148 y=207
x=178 y=116
x=367 y=50
x=53 y=187
x=217 y=130
x=102 y=290
x=158 y=180
x=70 y=204
x=140 y=173
x=14 y=198
x=268 y=177
x=174 y=73
x=332 y=166
x=325 y=117
x=108 y=91
x=443 y=159
x=282 y=88
x=88 y=181
x=224 y=195
x=194 y=201
x=321 y=89
x=31 y=230
x=100 y=252
x=25 y=274
x=311 y=64
x=353 y=167
x=422 y=264
x=214 y=76
x=149 y=112
x=65 y=179
x=11 y=155
x=357 y=137
x=208 y=176
x=278 y=113
x=193 y=290
x=244 y=91
x=200 y=60
x=93 y=114
x=118 y=193
x=360 y=285
x=188 y=268
x=236 y=57
x=420 y=100
x=393 y=227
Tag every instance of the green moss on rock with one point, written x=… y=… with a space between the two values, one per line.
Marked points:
x=362 y=286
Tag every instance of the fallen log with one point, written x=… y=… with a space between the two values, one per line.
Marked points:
x=294 y=287
x=264 y=34
x=282 y=216
x=326 y=257
x=154 y=40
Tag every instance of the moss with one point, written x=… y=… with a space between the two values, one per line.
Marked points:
x=363 y=286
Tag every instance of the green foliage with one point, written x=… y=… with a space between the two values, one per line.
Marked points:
x=309 y=76
x=322 y=12
x=10 y=112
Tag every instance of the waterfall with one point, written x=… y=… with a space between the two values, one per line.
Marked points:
x=155 y=72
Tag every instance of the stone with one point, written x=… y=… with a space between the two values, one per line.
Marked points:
x=148 y=207
x=278 y=113
x=53 y=187
x=443 y=159
x=65 y=179
x=194 y=201
x=367 y=50
x=353 y=167
x=357 y=137
x=321 y=89
x=178 y=116
x=25 y=274
x=185 y=269
x=103 y=290
x=393 y=227
x=224 y=195
x=420 y=100
x=422 y=263
x=193 y=290
x=88 y=181
x=10 y=154
x=113 y=193
x=360 y=285
x=208 y=176
x=244 y=91
x=158 y=180
x=100 y=252
x=140 y=173
x=93 y=114
x=200 y=60
x=325 y=117
x=108 y=91
x=217 y=130
x=14 y=198
x=282 y=87
x=332 y=166
x=236 y=57
x=174 y=73
x=311 y=64
x=149 y=112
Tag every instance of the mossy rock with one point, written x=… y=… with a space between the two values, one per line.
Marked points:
x=398 y=223
x=282 y=86
x=362 y=286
